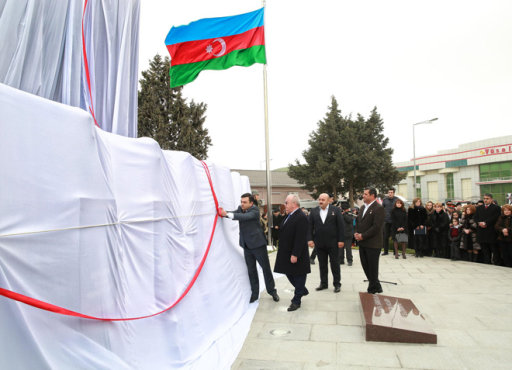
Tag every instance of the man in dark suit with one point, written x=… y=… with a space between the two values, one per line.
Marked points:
x=254 y=244
x=326 y=233
x=292 y=256
x=369 y=224
x=486 y=216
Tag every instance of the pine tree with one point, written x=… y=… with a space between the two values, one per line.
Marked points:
x=165 y=115
x=347 y=155
x=320 y=174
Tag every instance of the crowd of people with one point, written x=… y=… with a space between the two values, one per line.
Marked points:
x=479 y=232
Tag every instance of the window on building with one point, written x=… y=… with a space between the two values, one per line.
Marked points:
x=402 y=190
x=493 y=171
x=450 y=192
x=466 y=185
x=418 y=187
x=498 y=191
x=433 y=191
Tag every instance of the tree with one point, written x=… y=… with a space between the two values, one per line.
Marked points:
x=365 y=157
x=164 y=115
x=319 y=174
x=346 y=155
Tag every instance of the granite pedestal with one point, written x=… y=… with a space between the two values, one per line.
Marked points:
x=393 y=319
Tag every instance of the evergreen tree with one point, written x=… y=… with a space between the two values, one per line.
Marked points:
x=320 y=174
x=347 y=155
x=164 y=115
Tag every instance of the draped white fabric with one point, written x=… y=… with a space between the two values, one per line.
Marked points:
x=113 y=227
x=42 y=54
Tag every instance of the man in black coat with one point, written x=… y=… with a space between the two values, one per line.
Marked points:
x=388 y=203
x=292 y=256
x=486 y=216
x=326 y=233
x=369 y=224
x=348 y=218
x=254 y=243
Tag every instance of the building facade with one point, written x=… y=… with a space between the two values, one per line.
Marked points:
x=461 y=174
x=282 y=186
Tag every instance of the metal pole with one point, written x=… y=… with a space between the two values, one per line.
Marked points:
x=414 y=159
x=267 y=158
x=267 y=155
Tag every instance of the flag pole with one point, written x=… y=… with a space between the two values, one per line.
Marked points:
x=267 y=157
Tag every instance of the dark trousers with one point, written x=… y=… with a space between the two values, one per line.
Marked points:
x=506 y=253
x=275 y=237
x=251 y=256
x=370 y=262
x=487 y=249
x=386 y=235
x=333 y=255
x=313 y=254
x=439 y=241
x=346 y=250
x=299 y=283
x=455 y=250
x=420 y=242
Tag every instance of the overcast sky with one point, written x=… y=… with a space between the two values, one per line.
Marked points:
x=414 y=60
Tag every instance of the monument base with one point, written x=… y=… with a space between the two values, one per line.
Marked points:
x=393 y=319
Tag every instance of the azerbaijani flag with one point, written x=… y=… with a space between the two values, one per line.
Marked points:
x=215 y=43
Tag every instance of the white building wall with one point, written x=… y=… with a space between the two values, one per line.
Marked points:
x=472 y=172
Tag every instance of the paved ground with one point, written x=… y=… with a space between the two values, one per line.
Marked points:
x=468 y=305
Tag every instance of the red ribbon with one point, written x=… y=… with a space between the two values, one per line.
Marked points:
x=86 y=66
x=63 y=311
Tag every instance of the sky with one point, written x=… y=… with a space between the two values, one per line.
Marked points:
x=413 y=60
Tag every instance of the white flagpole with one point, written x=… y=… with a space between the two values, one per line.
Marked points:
x=267 y=150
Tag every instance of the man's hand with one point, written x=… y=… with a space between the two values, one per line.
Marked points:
x=293 y=259
x=358 y=236
x=222 y=212
x=341 y=244
x=311 y=244
x=505 y=232
x=482 y=224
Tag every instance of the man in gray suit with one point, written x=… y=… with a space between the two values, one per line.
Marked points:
x=369 y=224
x=254 y=244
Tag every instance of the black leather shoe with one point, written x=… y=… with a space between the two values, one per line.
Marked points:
x=275 y=297
x=307 y=292
x=384 y=254
x=350 y=263
x=321 y=287
x=375 y=291
x=337 y=289
x=342 y=262
x=253 y=299
x=294 y=307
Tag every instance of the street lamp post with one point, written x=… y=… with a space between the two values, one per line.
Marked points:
x=414 y=148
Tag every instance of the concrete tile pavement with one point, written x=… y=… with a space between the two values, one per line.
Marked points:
x=468 y=305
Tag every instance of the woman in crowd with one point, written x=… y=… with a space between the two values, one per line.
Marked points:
x=468 y=241
x=429 y=247
x=399 y=226
x=504 y=229
x=439 y=224
x=417 y=219
x=454 y=235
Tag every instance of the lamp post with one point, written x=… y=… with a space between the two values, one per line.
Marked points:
x=428 y=122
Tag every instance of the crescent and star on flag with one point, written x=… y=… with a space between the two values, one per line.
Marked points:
x=209 y=48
